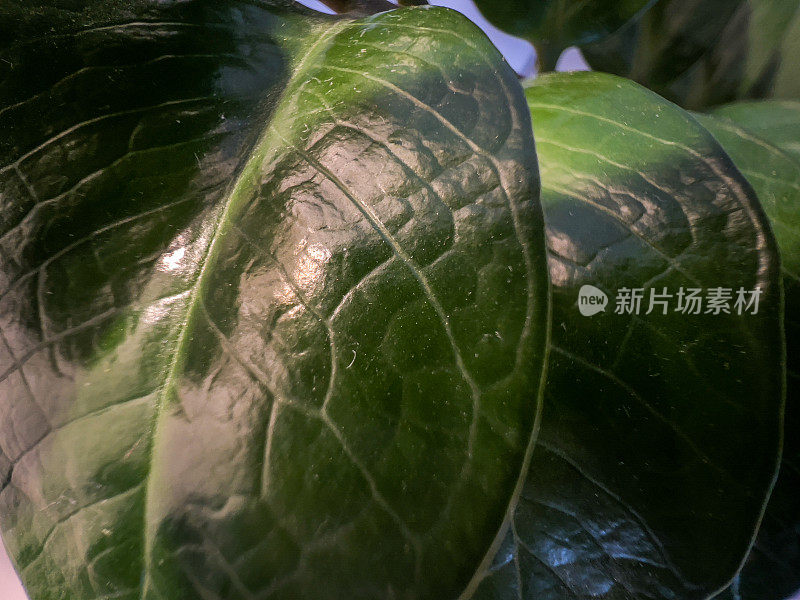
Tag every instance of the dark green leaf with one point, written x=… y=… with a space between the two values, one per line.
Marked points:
x=772 y=571
x=359 y=6
x=553 y=25
x=660 y=432
x=706 y=52
x=273 y=300
x=695 y=52
x=773 y=44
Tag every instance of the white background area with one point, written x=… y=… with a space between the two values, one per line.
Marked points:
x=10 y=587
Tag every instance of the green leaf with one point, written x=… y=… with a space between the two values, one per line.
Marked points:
x=660 y=432
x=553 y=25
x=706 y=52
x=668 y=48
x=775 y=176
x=772 y=44
x=777 y=122
x=362 y=7
x=772 y=571
x=695 y=52
x=273 y=300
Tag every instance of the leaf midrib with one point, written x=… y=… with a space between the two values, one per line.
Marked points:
x=240 y=187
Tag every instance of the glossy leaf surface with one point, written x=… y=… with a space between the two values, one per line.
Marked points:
x=273 y=301
x=660 y=432
x=772 y=571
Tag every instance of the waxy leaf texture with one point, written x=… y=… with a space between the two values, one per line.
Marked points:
x=273 y=301
x=661 y=429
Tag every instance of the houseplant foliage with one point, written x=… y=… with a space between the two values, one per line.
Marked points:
x=626 y=487
x=695 y=52
x=705 y=53
x=286 y=311
x=759 y=138
x=242 y=305
x=553 y=25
